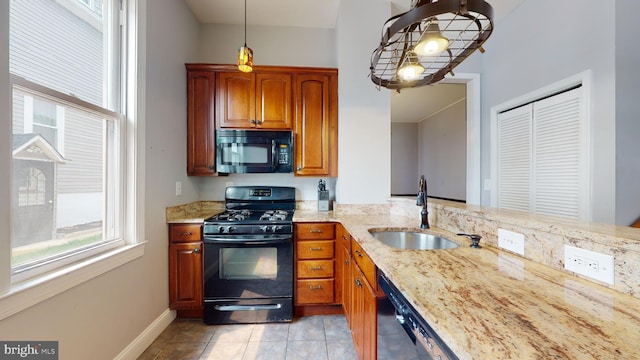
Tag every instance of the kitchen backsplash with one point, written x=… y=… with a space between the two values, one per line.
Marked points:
x=545 y=236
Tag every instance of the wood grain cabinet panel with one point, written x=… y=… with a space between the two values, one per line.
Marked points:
x=315 y=264
x=315 y=249
x=254 y=100
x=201 y=152
x=316 y=124
x=185 y=267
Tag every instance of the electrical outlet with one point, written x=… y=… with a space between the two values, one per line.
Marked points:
x=595 y=265
x=511 y=241
x=178 y=188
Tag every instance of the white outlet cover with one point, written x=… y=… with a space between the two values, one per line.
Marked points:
x=511 y=241
x=592 y=264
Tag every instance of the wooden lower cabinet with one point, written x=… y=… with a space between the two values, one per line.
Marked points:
x=363 y=314
x=315 y=269
x=185 y=269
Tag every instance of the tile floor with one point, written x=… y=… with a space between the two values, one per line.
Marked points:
x=322 y=337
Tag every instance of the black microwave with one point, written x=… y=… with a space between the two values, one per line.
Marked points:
x=254 y=151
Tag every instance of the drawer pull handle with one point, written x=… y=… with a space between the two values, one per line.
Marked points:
x=311 y=287
x=315 y=249
x=358 y=282
x=315 y=268
x=185 y=234
x=315 y=231
x=358 y=253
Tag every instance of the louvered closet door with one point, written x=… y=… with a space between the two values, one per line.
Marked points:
x=514 y=158
x=543 y=157
x=559 y=157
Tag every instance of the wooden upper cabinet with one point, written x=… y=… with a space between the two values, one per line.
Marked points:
x=254 y=100
x=316 y=124
x=201 y=142
x=274 y=101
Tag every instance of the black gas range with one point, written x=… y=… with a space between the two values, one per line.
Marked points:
x=248 y=257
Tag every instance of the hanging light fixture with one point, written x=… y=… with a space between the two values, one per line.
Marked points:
x=447 y=32
x=431 y=43
x=411 y=69
x=245 y=54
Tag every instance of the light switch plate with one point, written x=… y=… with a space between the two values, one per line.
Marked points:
x=178 y=188
x=511 y=241
x=592 y=264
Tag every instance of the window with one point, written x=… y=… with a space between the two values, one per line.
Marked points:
x=541 y=155
x=69 y=126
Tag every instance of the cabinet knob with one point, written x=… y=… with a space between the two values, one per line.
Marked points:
x=358 y=282
x=197 y=251
x=299 y=168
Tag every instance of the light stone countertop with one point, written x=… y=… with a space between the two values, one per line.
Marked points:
x=490 y=304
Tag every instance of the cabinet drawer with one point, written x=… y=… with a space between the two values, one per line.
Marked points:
x=185 y=232
x=315 y=249
x=364 y=262
x=314 y=269
x=314 y=291
x=315 y=231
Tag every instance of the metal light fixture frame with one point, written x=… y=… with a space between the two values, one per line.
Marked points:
x=466 y=23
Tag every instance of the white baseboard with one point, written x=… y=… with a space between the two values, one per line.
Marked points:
x=142 y=341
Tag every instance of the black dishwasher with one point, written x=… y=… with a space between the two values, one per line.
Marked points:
x=402 y=332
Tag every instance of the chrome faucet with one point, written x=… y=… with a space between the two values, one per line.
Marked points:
x=422 y=201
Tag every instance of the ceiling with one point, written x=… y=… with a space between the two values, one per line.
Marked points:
x=299 y=13
x=411 y=105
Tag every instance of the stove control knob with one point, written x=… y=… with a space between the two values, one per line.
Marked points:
x=220 y=229
x=231 y=229
x=265 y=229
x=277 y=228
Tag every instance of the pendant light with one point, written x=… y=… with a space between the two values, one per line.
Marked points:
x=440 y=33
x=431 y=43
x=245 y=54
x=411 y=69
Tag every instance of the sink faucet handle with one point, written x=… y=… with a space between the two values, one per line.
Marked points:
x=475 y=239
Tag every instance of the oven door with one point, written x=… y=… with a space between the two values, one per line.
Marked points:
x=248 y=267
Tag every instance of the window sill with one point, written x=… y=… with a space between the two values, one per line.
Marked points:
x=31 y=292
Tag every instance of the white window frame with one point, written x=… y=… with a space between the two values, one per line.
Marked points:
x=583 y=79
x=19 y=296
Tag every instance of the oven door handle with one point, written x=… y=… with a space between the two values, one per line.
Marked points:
x=269 y=240
x=247 y=307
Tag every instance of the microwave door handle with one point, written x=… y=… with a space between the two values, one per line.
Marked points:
x=274 y=155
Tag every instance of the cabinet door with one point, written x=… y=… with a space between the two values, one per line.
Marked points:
x=357 y=309
x=315 y=125
x=273 y=101
x=236 y=96
x=201 y=142
x=370 y=323
x=346 y=281
x=185 y=275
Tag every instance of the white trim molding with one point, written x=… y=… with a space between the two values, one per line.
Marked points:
x=142 y=341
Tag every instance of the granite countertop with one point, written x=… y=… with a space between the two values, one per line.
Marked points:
x=490 y=304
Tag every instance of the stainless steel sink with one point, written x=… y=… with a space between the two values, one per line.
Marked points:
x=411 y=240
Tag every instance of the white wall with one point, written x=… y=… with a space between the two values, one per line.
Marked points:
x=404 y=158
x=627 y=118
x=364 y=117
x=544 y=41
x=442 y=154
x=99 y=318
